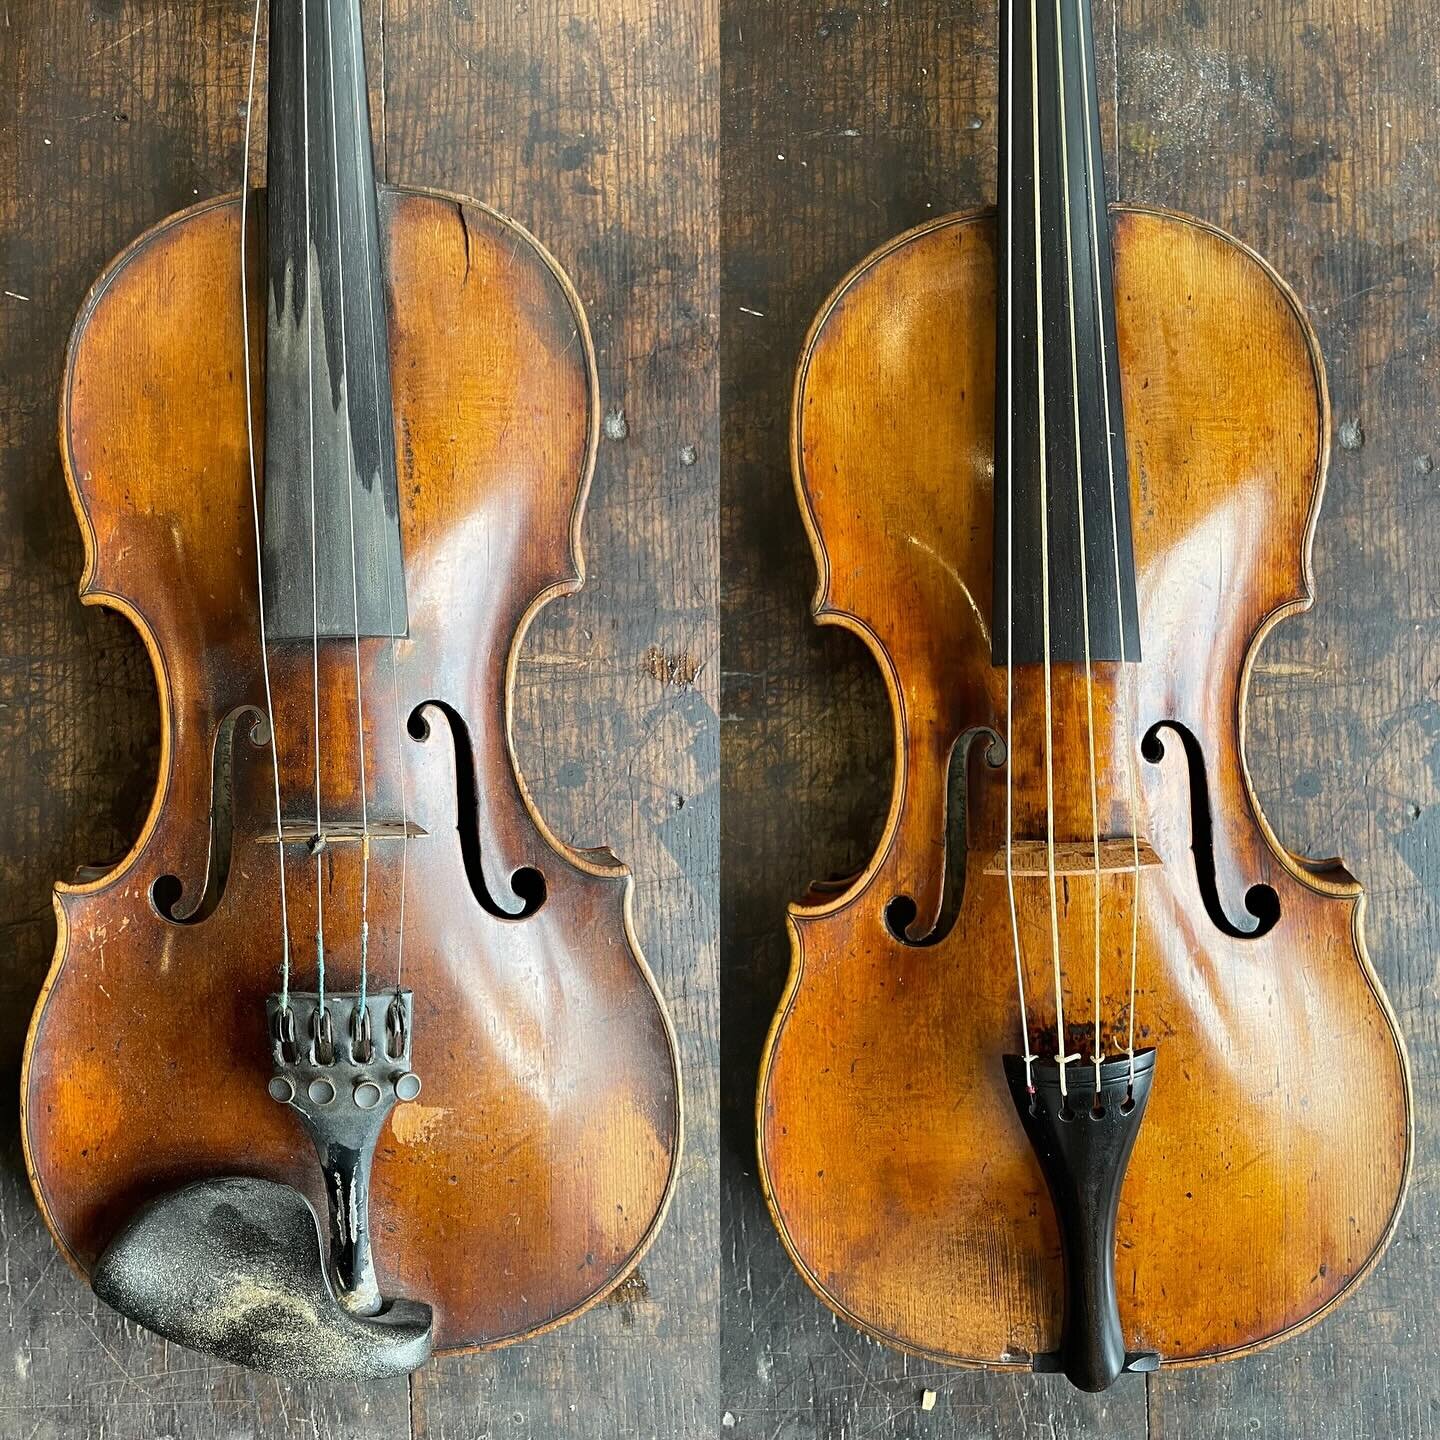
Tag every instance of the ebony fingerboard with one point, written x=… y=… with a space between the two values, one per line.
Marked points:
x=1056 y=344
x=329 y=422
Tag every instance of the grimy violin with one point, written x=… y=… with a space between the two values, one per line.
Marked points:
x=349 y=1058
x=1085 y=1072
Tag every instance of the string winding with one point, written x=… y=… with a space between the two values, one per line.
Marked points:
x=1096 y=1055
x=344 y=400
x=318 y=844
x=1062 y=1058
x=390 y=579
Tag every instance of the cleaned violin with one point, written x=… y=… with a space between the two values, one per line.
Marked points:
x=1085 y=1072
x=349 y=1059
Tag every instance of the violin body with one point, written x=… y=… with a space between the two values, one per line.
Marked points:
x=1270 y=1168
x=535 y=1167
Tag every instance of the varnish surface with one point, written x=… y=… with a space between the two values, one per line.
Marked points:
x=536 y=1165
x=889 y=1144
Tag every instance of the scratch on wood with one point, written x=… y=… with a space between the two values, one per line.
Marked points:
x=680 y=670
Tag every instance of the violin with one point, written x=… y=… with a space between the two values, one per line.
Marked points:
x=349 y=1060
x=1085 y=1072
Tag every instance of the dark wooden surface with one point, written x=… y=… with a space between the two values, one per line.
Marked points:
x=1311 y=131
x=592 y=124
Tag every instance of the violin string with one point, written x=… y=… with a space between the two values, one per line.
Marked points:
x=380 y=421
x=319 y=843
x=1010 y=543
x=255 y=511
x=354 y=561
x=1131 y=702
x=1096 y=1051
x=1062 y=1058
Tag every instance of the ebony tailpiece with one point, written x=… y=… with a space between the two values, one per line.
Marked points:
x=1083 y=1146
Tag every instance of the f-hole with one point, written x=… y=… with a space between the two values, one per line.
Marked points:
x=900 y=912
x=1262 y=904
x=167 y=894
x=527 y=885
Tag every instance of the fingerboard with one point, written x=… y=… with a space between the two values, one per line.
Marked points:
x=333 y=564
x=1064 y=554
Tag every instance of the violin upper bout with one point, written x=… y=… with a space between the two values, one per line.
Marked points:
x=496 y=391
x=1228 y=436
x=1228 y=423
x=152 y=423
x=497 y=413
x=892 y=443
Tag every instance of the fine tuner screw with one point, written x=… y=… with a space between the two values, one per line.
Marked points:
x=367 y=1094
x=341 y=1058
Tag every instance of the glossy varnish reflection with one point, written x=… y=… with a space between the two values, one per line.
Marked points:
x=1271 y=1165
x=533 y=1170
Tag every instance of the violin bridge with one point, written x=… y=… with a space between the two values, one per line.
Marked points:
x=303 y=832
x=1073 y=857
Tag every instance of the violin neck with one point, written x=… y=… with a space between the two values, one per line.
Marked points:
x=332 y=555
x=1065 y=584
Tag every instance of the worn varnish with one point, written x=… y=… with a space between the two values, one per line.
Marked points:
x=539 y=1163
x=1258 y=1192
x=140 y=105
x=1310 y=135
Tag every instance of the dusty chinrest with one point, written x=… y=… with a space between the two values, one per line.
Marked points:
x=235 y=1268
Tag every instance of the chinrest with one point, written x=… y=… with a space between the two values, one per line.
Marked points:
x=235 y=1268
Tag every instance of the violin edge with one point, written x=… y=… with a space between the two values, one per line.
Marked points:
x=598 y=862
x=1327 y=878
